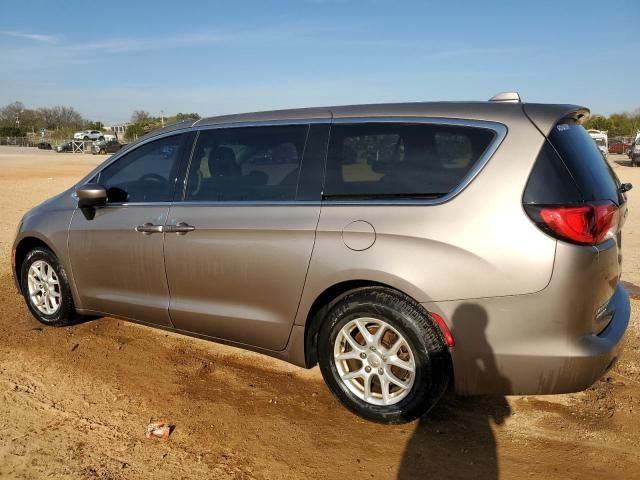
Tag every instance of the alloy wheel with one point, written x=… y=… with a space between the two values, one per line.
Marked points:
x=374 y=361
x=44 y=287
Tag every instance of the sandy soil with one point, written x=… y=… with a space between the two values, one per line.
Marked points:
x=74 y=402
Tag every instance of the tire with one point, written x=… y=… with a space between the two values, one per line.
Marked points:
x=103 y=151
x=101 y=138
x=65 y=313
x=424 y=348
x=85 y=138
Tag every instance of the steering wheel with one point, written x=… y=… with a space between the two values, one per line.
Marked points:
x=153 y=177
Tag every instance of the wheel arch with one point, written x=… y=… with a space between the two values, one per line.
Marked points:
x=321 y=305
x=22 y=248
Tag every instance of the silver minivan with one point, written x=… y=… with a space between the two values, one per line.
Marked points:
x=403 y=247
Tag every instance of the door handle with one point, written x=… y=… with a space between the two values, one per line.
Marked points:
x=149 y=228
x=180 y=228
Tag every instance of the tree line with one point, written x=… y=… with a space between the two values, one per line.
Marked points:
x=617 y=124
x=16 y=120
x=142 y=122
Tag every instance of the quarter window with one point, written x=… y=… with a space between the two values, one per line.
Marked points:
x=401 y=160
x=146 y=174
x=247 y=164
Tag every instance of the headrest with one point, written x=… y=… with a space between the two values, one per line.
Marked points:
x=222 y=162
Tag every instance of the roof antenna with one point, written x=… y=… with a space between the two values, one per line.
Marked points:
x=512 y=97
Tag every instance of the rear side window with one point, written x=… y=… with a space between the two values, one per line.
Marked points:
x=247 y=164
x=592 y=173
x=401 y=160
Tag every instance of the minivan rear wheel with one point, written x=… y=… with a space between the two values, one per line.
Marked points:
x=383 y=356
x=45 y=287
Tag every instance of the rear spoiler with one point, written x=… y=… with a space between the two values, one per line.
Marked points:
x=545 y=116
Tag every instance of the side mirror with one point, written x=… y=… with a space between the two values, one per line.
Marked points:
x=91 y=195
x=625 y=187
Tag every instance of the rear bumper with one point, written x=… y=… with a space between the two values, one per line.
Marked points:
x=583 y=361
x=510 y=345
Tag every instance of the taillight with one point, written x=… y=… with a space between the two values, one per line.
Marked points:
x=586 y=224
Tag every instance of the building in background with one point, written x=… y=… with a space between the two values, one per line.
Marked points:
x=119 y=130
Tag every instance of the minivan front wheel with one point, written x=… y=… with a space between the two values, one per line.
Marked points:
x=383 y=356
x=45 y=287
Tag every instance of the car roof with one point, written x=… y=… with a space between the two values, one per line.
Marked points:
x=543 y=115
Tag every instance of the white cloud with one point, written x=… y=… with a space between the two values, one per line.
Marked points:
x=36 y=37
x=203 y=38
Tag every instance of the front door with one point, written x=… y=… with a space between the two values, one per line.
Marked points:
x=116 y=250
x=238 y=271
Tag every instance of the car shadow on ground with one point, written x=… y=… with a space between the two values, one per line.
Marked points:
x=624 y=163
x=456 y=439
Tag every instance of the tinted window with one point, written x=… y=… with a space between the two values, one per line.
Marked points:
x=401 y=159
x=591 y=171
x=550 y=181
x=247 y=164
x=146 y=174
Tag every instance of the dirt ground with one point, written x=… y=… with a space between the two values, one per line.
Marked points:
x=74 y=402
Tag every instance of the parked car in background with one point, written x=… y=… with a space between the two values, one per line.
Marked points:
x=105 y=146
x=403 y=247
x=634 y=153
x=64 y=147
x=89 y=135
x=44 y=146
x=602 y=141
x=619 y=146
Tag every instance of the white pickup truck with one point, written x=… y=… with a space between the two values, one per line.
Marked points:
x=89 y=135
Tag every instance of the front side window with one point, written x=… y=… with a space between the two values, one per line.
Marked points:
x=401 y=160
x=247 y=164
x=146 y=174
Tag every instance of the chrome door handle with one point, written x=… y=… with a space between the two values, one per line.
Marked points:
x=180 y=228
x=149 y=228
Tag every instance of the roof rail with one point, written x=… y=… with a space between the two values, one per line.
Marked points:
x=506 y=97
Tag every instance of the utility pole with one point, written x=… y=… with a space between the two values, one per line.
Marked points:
x=162 y=117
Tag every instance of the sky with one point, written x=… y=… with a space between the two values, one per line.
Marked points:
x=107 y=59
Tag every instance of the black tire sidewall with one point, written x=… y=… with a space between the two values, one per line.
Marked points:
x=419 y=330
x=66 y=313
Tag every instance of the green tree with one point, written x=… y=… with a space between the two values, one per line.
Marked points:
x=134 y=131
x=181 y=117
x=94 y=126
x=616 y=124
x=140 y=116
x=10 y=132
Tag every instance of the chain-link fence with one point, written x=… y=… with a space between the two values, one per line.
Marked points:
x=17 y=141
x=74 y=146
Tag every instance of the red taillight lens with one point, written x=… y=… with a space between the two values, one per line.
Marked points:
x=589 y=224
